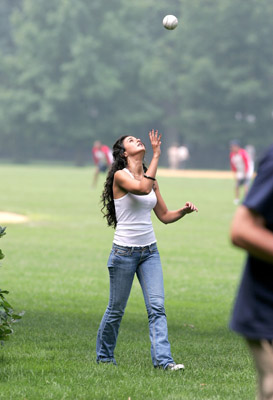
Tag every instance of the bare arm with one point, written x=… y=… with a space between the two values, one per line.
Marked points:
x=166 y=216
x=248 y=231
x=141 y=187
x=126 y=184
x=155 y=140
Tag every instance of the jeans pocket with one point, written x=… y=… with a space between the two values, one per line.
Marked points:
x=121 y=252
x=116 y=255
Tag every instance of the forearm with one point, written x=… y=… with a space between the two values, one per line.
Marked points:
x=146 y=183
x=257 y=242
x=248 y=233
x=172 y=216
x=149 y=179
x=151 y=171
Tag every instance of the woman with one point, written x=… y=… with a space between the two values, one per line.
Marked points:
x=130 y=193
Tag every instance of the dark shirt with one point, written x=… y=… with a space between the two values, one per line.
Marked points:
x=253 y=310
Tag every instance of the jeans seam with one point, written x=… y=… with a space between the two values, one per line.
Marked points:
x=106 y=319
x=153 y=324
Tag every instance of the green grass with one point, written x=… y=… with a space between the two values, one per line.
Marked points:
x=55 y=269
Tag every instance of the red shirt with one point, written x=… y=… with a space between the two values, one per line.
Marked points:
x=102 y=154
x=239 y=163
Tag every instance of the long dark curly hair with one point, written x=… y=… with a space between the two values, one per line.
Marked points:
x=107 y=198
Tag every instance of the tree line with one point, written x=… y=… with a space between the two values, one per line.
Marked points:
x=76 y=71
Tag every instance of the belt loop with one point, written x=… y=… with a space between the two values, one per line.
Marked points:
x=152 y=247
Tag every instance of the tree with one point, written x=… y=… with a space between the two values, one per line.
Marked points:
x=85 y=70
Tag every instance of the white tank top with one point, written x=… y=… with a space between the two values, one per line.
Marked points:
x=134 y=225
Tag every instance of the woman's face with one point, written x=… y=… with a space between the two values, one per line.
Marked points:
x=133 y=146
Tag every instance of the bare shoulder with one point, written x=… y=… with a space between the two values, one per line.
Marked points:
x=119 y=184
x=121 y=175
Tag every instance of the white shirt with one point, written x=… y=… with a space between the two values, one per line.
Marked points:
x=239 y=165
x=133 y=214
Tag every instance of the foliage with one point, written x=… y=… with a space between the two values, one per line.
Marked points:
x=2 y=233
x=7 y=313
x=76 y=71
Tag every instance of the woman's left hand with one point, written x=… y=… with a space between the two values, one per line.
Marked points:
x=189 y=208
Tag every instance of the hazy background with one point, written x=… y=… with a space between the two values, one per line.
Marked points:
x=73 y=71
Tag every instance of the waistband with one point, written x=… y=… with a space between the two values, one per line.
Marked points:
x=150 y=247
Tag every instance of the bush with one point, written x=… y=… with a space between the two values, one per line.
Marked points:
x=7 y=314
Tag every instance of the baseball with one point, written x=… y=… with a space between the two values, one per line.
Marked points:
x=170 y=22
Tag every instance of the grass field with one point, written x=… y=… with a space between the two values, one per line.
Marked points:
x=55 y=269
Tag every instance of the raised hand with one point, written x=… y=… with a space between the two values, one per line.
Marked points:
x=155 y=139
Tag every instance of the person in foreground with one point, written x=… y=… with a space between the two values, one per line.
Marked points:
x=252 y=230
x=130 y=193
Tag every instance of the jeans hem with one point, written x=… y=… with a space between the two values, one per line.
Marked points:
x=106 y=360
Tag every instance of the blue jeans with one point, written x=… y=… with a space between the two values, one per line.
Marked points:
x=123 y=263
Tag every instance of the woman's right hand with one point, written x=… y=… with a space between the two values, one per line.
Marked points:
x=155 y=139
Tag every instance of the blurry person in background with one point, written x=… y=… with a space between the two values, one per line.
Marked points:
x=252 y=230
x=252 y=156
x=239 y=162
x=177 y=155
x=173 y=156
x=102 y=157
x=183 y=155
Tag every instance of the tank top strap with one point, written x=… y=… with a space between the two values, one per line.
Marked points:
x=128 y=172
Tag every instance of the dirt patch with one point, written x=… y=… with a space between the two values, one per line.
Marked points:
x=12 y=218
x=187 y=173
